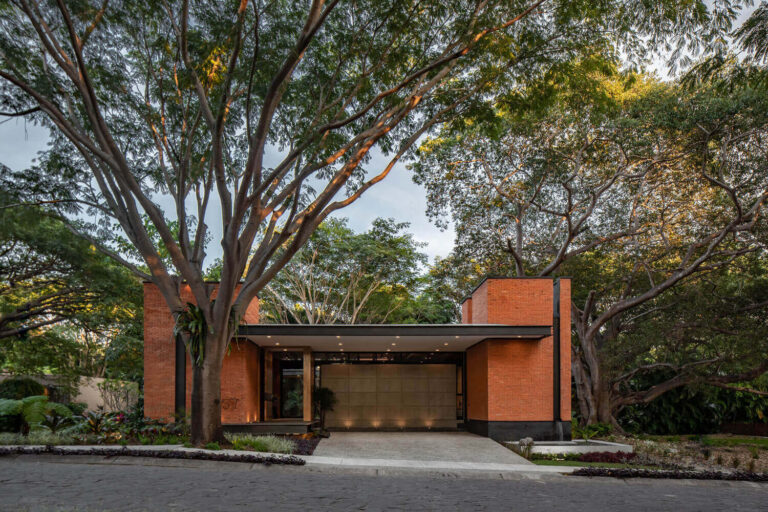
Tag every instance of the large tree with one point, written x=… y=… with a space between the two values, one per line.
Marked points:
x=631 y=186
x=344 y=277
x=261 y=116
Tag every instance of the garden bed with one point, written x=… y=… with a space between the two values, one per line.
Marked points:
x=126 y=451
x=674 y=474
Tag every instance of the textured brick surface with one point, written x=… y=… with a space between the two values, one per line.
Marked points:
x=511 y=380
x=239 y=387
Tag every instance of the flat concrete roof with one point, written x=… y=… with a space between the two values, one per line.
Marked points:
x=392 y=337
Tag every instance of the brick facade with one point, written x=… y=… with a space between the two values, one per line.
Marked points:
x=512 y=380
x=240 y=378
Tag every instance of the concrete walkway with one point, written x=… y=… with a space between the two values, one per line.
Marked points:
x=417 y=446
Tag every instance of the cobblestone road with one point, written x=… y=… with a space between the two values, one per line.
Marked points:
x=28 y=484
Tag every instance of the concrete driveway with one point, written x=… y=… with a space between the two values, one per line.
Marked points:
x=420 y=446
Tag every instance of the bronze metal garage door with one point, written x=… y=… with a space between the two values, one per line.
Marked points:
x=391 y=396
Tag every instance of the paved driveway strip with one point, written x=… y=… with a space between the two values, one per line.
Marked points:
x=417 y=446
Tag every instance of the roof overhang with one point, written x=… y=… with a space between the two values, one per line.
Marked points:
x=392 y=337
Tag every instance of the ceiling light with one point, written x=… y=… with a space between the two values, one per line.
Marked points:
x=456 y=337
x=446 y=344
x=269 y=336
x=437 y=350
x=277 y=343
x=394 y=344
x=389 y=350
x=337 y=337
x=285 y=350
x=340 y=343
x=341 y=349
x=398 y=337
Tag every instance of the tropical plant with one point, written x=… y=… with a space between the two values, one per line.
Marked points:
x=32 y=410
x=323 y=401
x=54 y=421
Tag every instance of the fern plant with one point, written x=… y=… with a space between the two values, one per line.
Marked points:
x=32 y=410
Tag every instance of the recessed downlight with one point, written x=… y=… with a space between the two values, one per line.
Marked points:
x=340 y=343
x=394 y=344
x=446 y=343
x=277 y=343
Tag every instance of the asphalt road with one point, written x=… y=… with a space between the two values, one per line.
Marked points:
x=34 y=484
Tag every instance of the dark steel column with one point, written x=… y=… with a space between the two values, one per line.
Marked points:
x=180 y=391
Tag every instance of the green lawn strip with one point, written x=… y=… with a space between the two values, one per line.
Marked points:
x=576 y=463
x=761 y=442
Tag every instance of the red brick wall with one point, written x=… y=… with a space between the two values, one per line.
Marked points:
x=477 y=381
x=511 y=380
x=239 y=389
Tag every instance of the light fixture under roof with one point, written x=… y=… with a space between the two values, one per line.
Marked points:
x=285 y=350
x=437 y=350
x=337 y=336
x=277 y=343
x=269 y=335
x=457 y=337
x=340 y=343
x=394 y=344
x=398 y=337
x=341 y=349
x=446 y=343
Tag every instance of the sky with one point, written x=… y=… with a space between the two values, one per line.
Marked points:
x=397 y=196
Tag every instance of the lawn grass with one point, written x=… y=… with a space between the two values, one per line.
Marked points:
x=271 y=444
x=576 y=463
x=761 y=442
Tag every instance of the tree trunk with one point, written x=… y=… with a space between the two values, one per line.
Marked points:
x=206 y=395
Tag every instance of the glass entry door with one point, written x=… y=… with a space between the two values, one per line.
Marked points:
x=285 y=387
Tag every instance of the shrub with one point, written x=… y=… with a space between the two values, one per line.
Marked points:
x=32 y=410
x=17 y=388
x=270 y=444
x=587 y=432
x=119 y=395
x=615 y=457
x=77 y=408
x=212 y=446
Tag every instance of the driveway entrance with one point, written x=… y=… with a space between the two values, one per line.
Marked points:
x=421 y=446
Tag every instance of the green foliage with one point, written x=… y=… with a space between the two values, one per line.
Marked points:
x=271 y=444
x=37 y=437
x=55 y=422
x=50 y=277
x=17 y=388
x=212 y=446
x=32 y=410
x=191 y=325
x=323 y=401
x=341 y=276
x=588 y=432
x=693 y=409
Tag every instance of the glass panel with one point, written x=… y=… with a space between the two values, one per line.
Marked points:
x=292 y=393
